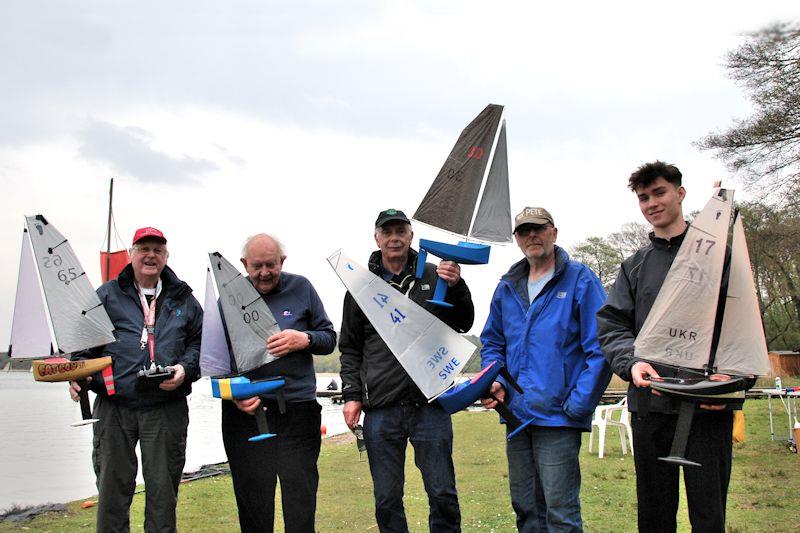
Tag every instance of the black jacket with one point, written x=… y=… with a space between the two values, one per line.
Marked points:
x=179 y=322
x=629 y=302
x=370 y=372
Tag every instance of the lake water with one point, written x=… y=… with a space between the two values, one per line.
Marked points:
x=43 y=459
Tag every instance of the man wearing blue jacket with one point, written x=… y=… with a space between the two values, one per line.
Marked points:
x=158 y=323
x=541 y=326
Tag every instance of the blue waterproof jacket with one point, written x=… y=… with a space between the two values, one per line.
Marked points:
x=550 y=346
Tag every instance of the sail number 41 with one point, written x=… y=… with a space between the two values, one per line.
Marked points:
x=396 y=315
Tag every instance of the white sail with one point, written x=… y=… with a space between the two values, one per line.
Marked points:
x=78 y=318
x=248 y=319
x=30 y=331
x=742 y=349
x=215 y=360
x=679 y=328
x=430 y=351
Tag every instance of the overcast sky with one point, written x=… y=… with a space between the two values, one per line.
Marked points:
x=304 y=119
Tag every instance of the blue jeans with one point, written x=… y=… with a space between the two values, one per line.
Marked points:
x=545 y=479
x=428 y=427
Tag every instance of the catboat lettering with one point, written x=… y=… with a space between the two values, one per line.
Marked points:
x=50 y=369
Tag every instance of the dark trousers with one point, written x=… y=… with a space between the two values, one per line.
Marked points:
x=291 y=456
x=161 y=433
x=387 y=431
x=706 y=486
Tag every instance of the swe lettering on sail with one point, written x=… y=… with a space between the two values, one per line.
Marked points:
x=440 y=355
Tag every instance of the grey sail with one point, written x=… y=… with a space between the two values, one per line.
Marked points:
x=493 y=219
x=450 y=202
x=30 y=332
x=78 y=318
x=248 y=320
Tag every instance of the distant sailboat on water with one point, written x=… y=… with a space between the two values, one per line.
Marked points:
x=57 y=312
x=248 y=323
x=470 y=196
x=679 y=330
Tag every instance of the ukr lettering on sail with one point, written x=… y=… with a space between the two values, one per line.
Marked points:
x=683 y=334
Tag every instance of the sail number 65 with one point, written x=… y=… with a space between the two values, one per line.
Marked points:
x=67 y=275
x=710 y=244
x=55 y=260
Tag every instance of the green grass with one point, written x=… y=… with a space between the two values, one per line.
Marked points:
x=761 y=496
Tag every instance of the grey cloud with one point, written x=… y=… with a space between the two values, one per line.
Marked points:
x=129 y=152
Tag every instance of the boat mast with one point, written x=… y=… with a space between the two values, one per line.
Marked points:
x=108 y=230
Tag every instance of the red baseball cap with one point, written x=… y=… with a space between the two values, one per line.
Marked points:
x=148 y=233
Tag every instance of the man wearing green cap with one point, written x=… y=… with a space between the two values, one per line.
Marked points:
x=395 y=410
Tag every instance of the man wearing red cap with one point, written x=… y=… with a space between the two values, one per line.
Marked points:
x=155 y=359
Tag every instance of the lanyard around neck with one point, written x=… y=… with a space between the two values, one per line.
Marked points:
x=149 y=329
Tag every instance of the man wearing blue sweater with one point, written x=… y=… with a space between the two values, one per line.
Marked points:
x=292 y=455
x=541 y=326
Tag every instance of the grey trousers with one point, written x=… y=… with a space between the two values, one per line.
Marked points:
x=161 y=433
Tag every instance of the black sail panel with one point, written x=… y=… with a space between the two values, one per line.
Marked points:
x=493 y=221
x=450 y=202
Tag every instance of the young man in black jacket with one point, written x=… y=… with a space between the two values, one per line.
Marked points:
x=395 y=410
x=660 y=193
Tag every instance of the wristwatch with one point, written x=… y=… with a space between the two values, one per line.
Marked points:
x=309 y=339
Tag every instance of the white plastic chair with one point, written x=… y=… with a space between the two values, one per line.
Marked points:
x=603 y=417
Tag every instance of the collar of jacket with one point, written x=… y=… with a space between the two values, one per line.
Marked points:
x=172 y=285
x=668 y=243
x=517 y=275
x=375 y=263
x=519 y=270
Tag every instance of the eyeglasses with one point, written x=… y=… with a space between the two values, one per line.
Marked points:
x=160 y=252
x=526 y=229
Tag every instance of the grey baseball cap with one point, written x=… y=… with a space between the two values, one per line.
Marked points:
x=533 y=215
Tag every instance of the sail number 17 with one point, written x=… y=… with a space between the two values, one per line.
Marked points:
x=709 y=244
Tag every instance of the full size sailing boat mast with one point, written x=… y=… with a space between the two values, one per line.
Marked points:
x=112 y=263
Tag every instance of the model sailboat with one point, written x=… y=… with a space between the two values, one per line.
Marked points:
x=248 y=323
x=57 y=311
x=431 y=352
x=679 y=330
x=470 y=196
